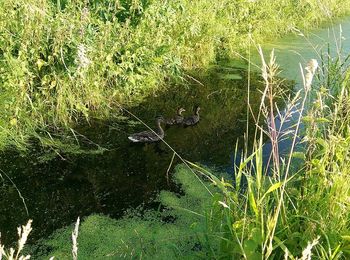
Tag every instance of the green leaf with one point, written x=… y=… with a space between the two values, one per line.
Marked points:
x=40 y=63
x=252 y=202
x=299 y=155
x=213 y=178
x=230 y=76
x=322 y=142
x=283 y=247
x=250 y=246
x=322 y=120
x=346 y=237
x=256 y=235
x=308 y=119
x=259 y=163
x=271 y=189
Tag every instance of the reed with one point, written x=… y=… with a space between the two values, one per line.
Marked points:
x=276 y=208
x=23 y=233
x=15 y=254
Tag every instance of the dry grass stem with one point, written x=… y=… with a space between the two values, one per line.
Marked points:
x=75 y=240
x=23 y=233
x=310 y=68
x=306 y=255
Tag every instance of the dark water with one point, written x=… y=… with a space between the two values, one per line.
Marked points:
x=58 y=190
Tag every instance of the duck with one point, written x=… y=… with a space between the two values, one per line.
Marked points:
x=192 y=120
x=177 y=119
x=149 y=136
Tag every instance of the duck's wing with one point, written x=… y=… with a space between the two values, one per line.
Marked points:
x=170 y=121
x=179 y=119
x=192 y=120
x=145 y=136
x=188 y=121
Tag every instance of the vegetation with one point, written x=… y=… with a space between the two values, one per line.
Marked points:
x=272 y=211
x=172 y=232
x=280 y=209
x=66 y=60
x=297 y=204
x=13 y=254
x=62 y=60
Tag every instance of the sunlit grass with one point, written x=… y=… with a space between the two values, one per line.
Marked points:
x=270 y=211
x=275 y=210
x=62 y=61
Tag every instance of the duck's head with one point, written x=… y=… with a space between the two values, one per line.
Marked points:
x=196 y=109
x=159 y=119
x=180 y=110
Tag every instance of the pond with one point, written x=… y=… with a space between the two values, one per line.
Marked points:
x=58 y=189
x=300 y=47
x=292 y=52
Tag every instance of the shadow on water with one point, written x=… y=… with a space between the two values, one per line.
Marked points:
x=126 y=175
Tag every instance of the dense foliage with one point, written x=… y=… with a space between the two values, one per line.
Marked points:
x=296 y=205
x=62 y=60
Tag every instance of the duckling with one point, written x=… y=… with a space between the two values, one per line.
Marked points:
x=149 y=136
x=192 y=120
x=177 y=119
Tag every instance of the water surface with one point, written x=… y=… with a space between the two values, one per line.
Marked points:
x=58 y=189
x=299 y=47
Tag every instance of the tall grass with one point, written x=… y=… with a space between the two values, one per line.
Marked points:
x=23 y=233
x=13 y=254
x=300 y=201
x=65 y=60
x=294 y=207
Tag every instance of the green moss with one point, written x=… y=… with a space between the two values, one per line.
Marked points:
x=172 y=233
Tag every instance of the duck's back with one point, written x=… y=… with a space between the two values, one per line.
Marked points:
x=192 y=120
x=145 y=137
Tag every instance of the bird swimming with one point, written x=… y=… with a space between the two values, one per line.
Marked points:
x=192 y=120
x=149 y=136
x=177 y=119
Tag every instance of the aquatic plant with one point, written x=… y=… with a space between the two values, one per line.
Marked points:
x=173 y=231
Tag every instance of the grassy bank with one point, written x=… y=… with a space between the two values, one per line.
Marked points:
x=292 y=206
x=61 y=61
x=295 y=205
